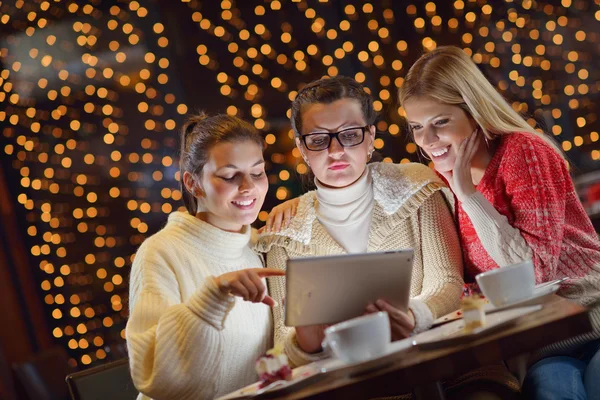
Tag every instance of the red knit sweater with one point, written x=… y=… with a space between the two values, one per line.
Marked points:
x=528 y=182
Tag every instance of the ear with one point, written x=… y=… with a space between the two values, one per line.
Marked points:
x=191 y=185
x=371 y=137
x=300 y=147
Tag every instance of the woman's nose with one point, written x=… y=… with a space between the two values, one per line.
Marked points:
x=429 y=136
x=335 y=147
x=247 y=184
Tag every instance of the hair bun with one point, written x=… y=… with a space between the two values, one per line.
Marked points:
x=191 y=121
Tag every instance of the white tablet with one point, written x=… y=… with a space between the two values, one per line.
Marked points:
x=326 y=290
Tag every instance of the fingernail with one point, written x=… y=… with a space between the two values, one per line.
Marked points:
x=379 y=303
x=276 y=303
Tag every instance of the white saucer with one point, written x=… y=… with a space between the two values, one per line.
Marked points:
x=335 y=363
x=539 y=295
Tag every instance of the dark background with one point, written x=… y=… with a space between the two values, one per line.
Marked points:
x=92 y=96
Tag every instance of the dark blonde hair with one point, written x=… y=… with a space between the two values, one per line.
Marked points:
x=328 y=90
x=199 y=135
x=448 y=75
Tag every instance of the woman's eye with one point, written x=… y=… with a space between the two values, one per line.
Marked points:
x=227 y=178
x=317 y=141
x=256 y=176
x=415 y=127
x=441 y=122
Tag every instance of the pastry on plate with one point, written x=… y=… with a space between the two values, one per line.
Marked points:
x=473 y=310
x=273 y=366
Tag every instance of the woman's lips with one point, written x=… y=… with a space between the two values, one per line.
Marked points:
x=440 y=153
x=337 y=167
x=244 y=204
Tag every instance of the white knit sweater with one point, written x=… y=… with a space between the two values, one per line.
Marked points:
x=186 y=339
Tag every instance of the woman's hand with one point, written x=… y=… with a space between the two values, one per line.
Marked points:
x=460 y=178
x=248 y=284
x=280 y=216
x=310 y=337
x=402 y=323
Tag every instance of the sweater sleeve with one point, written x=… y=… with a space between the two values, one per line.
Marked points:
x=534 y=177
x=277 y=258
x=442 y=263
x=174 y=347
x=504 y=243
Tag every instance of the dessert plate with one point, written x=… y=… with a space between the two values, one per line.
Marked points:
x=301 y=376
x=454 y=332
x=540 y=293
x=310 y=373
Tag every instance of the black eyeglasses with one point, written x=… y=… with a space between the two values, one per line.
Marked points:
x=346 y=138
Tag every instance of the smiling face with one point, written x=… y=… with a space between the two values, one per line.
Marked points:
x=233 y=184
x=439 y=129
x=336 y=166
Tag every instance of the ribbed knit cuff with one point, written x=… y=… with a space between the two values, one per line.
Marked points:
x=423 y=315
x=296 y=355
x=210 y=304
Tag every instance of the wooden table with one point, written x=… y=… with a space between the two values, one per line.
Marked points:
x=423 y=369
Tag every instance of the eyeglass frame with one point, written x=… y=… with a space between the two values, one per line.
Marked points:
x=335 y=135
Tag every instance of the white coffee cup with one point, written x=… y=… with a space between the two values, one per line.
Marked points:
x=359 y=339
x=508 y=285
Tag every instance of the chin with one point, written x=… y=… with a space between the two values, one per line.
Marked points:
x=441 y=168
x=340 y=180
x=444 y=166
x=248 y=219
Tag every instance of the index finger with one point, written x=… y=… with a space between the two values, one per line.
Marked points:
x=262 y=272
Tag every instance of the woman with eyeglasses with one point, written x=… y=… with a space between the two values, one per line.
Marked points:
x=360 y=207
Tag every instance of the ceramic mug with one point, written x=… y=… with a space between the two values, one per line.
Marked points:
x=507 y=285
x=359 y=339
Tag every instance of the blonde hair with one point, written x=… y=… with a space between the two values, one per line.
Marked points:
x=448 y=75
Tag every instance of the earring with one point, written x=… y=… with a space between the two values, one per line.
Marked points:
x=423 y=154
x=487 y=142
x=370 y=154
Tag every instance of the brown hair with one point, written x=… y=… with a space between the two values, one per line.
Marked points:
x=199 y=134
x=328 y=90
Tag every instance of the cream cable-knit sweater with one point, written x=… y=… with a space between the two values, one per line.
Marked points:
x=409 y=212
x=186 y=339
x=346 y=212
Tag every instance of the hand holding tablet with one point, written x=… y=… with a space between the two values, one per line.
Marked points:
x=327 y=290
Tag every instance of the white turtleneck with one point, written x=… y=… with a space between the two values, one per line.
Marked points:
x=346 y=212
x=186 y=339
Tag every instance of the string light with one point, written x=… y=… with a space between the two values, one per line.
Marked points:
x=91 y=109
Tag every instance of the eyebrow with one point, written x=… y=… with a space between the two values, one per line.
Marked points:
x=235 y=167
x=439 y=115
x=339 y=128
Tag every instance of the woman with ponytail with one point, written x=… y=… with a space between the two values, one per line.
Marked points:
x=188 y=335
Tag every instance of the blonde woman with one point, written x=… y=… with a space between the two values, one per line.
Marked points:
x=514 y=197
